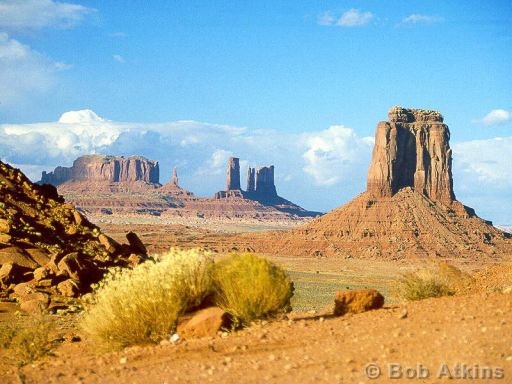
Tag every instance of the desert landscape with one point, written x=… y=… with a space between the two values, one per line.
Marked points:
x=235 y=192
x=408 y=220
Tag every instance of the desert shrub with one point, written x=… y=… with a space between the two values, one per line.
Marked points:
x=250 y=287
x=26 y=341
x=436 y=280
x=142 y=305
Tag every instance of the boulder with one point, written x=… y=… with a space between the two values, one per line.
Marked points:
x=25 y=292
x=136 y=245
x=357 y=301
x=11 y=273
x=5 y=227
x=204 y=323
x=5 y=238
x=17 y=256
x=69 y=288
x=110 y=244
x=40 y=256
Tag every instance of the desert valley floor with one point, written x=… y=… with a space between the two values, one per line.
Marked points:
x=309 y=344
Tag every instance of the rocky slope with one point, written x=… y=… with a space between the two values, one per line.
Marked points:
x=409 y=209
x=49 y=249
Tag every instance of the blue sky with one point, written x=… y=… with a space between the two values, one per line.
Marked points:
x=292 y=70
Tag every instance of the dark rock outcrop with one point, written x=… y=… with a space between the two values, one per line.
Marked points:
x=412 y=150
x=111 y=169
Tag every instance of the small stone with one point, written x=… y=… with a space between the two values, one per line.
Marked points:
x=123 y=360
x=175 y=338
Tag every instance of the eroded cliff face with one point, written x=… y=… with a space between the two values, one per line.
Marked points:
x=98 y=168
x=412 y=150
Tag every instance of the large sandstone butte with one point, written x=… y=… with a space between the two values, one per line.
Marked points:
x=412 y=150
x=408 y=210
x=105 y=173
x=47 y=248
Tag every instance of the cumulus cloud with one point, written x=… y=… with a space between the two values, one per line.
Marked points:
x=483 y=177
x=354 y=18
x=496 y=117
x=334 y=154
x=416 y=18
x=36 y=14
x=486 y=161
x=23 y=71
x=351 y=18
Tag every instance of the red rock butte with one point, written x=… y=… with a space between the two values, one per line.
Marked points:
x=408 y=210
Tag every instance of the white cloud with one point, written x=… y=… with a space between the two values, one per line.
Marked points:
x=332 y=155
x=119 y=59
x=416 y=18
x=486 y=161
x=483 y=177
x=351 y=18
x=23 y=71
x=36 y=14
x=496 y=117
x=354 y=18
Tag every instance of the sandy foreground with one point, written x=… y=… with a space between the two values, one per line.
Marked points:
x=465 y=338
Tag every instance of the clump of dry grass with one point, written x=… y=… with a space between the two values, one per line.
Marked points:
x=250 y=287
x=436 y=280
x=27 y=341
x=142 y=305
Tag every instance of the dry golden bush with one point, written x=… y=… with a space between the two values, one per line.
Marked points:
x=142 y=305
x=437 y=279
x=251 y=287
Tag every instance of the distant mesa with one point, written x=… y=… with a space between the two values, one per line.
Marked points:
x=100 y=171
x=117 y=185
